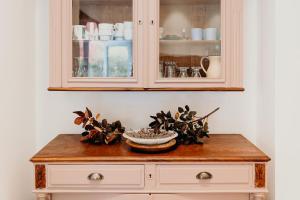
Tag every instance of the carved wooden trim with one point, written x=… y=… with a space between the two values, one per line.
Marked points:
x=260 y=175
x=40 y=176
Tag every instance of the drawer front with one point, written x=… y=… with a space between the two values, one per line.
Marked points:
x=201 y=196
x=188 y=177
x=101 y=196
x=96 y=176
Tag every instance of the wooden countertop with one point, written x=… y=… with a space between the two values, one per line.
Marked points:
x=217 y=148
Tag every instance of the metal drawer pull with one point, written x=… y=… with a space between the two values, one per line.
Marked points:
x=95 y=177
x=204 y=176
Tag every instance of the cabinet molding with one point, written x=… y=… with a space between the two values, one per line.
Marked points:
x=55 y=43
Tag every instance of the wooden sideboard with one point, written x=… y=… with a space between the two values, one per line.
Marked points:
x=226 y=167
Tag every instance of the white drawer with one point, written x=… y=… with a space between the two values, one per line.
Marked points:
x=107 y=176
x=189 y=177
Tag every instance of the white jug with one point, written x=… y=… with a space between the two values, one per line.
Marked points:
x=214 y=70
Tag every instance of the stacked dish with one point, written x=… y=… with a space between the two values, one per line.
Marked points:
x=106 y=31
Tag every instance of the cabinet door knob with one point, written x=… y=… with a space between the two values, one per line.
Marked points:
x=204 y=176
x=95 y=177
x=140 y=22
x=152 y=22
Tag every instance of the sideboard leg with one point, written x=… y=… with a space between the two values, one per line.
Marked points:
x=258 y=196
x=43 y=196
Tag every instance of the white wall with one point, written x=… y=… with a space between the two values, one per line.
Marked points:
x=238 y=110
x=267 y=113
x=266 y=87
x=17 y=102
x=287 y=99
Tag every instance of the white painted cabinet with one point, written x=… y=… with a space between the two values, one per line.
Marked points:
x=146 y=45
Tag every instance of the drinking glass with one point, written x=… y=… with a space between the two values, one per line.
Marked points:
x=196 y=72
x=183 y=72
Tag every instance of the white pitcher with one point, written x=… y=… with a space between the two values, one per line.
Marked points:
x=214 y=70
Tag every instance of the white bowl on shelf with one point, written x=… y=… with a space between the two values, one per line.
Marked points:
x=105 y=37
x=150 y=141
x=106 y=32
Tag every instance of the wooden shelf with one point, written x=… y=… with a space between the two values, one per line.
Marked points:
x=191 y=42
x=215 y=89
x=106 y=2
x=189 y=2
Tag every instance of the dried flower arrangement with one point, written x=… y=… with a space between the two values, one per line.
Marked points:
x=97 y=132
x=190 y=128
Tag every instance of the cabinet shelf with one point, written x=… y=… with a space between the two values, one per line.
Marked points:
x=116 y=42
x=190 y=42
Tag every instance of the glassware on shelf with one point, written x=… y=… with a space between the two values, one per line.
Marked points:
x=196 y=72
x=161 y=69
x=80 y=67
x=184 y=34
x=119 y=61
x=170 y=69
x=95 y=68
x=183 y=72
x=161 y=33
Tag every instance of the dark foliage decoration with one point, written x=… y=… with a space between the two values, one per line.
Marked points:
x=96 y=131
x=190 y=128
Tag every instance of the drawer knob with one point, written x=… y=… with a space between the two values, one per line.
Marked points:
x=95 y=177
x=204 y=176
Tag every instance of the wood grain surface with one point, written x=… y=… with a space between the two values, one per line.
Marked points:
x=260 y=175
x=219 y=147
x=40 y=176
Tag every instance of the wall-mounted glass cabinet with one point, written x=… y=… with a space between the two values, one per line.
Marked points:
x=146 y=44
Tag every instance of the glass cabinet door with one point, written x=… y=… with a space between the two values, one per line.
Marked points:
x=103 y=43
x=190 y=39
x=190 y=46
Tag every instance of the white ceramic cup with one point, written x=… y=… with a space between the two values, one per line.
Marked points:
x=106 y=31
x=92 y=30
x=91 y=27
x=105 y=26
x=78 y=32
x=211 y=34
x=128 y=25
x=128 y=28
x=128 y=34
x=119 y=30
x=197 y=34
